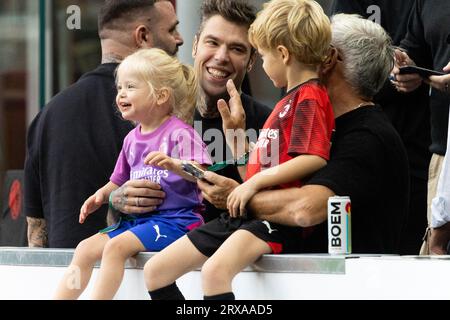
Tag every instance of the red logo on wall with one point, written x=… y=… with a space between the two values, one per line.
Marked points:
x=15 y=199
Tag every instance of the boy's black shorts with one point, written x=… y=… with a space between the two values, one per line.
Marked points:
x=281 y=239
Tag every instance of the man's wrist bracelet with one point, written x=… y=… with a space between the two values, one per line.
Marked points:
x=110 y=202
x=242 y=161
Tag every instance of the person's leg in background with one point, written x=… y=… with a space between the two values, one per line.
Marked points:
x=433 y=178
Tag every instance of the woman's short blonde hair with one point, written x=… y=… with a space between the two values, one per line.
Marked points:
x=160 y=70
x=299 y=25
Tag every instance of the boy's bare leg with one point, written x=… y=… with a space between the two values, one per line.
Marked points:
x=77 y=276
x=240 y=250
x=171 y=263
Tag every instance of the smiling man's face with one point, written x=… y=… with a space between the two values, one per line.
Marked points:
x=221 y=52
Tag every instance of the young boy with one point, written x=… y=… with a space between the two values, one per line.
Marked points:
x=293 y=37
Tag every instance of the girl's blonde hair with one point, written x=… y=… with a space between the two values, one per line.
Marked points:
x=160 y=70
x=299 y=25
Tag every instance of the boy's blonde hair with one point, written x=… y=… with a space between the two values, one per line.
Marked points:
x=299 y=25
x=160 y=70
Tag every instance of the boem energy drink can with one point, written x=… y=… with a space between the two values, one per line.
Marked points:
x=339 y=225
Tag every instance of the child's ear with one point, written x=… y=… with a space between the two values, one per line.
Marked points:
x=162 y=96
x=284 y=53
x=252 y=60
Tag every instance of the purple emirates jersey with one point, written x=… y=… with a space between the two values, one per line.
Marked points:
x=176 y=139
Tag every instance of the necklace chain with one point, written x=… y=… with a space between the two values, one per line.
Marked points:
x=364 y=104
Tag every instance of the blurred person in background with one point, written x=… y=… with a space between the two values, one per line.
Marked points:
x=426 y=45
x=440 y=206
x=408 y=112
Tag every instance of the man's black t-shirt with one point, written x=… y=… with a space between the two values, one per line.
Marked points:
x=73 y=144
x=255 y=113
x=426 y=43
x=368 y=163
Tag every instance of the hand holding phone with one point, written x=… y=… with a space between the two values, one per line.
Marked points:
x=423 y=72
x=193 y=170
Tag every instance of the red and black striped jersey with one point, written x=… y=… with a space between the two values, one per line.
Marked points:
x=301 y=123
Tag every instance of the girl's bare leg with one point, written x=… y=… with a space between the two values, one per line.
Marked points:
x=77 y=276
x=112 y=268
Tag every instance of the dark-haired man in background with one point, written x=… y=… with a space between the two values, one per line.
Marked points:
x=74 y=141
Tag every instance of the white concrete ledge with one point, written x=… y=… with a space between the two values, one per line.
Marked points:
x=34 y=274
x=37 y=257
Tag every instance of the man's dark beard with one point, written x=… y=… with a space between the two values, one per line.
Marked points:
x=208 y=107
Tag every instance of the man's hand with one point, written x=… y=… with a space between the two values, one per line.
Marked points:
x=404 y=82
x=233 y=114
x=216 y=188
x=233 y=121
x=137 y=196
x=439 y=239
x=441 y=82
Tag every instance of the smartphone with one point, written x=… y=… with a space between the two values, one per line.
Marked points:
x=193 y=170
x=424 y=73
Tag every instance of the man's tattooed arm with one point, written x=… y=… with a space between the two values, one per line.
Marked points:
x=37 y=232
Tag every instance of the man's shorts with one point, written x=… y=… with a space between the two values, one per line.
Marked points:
x=157 y=230
x=281 y=239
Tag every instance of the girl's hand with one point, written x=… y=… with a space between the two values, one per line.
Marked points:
x=91 y=204
x=160 y=159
